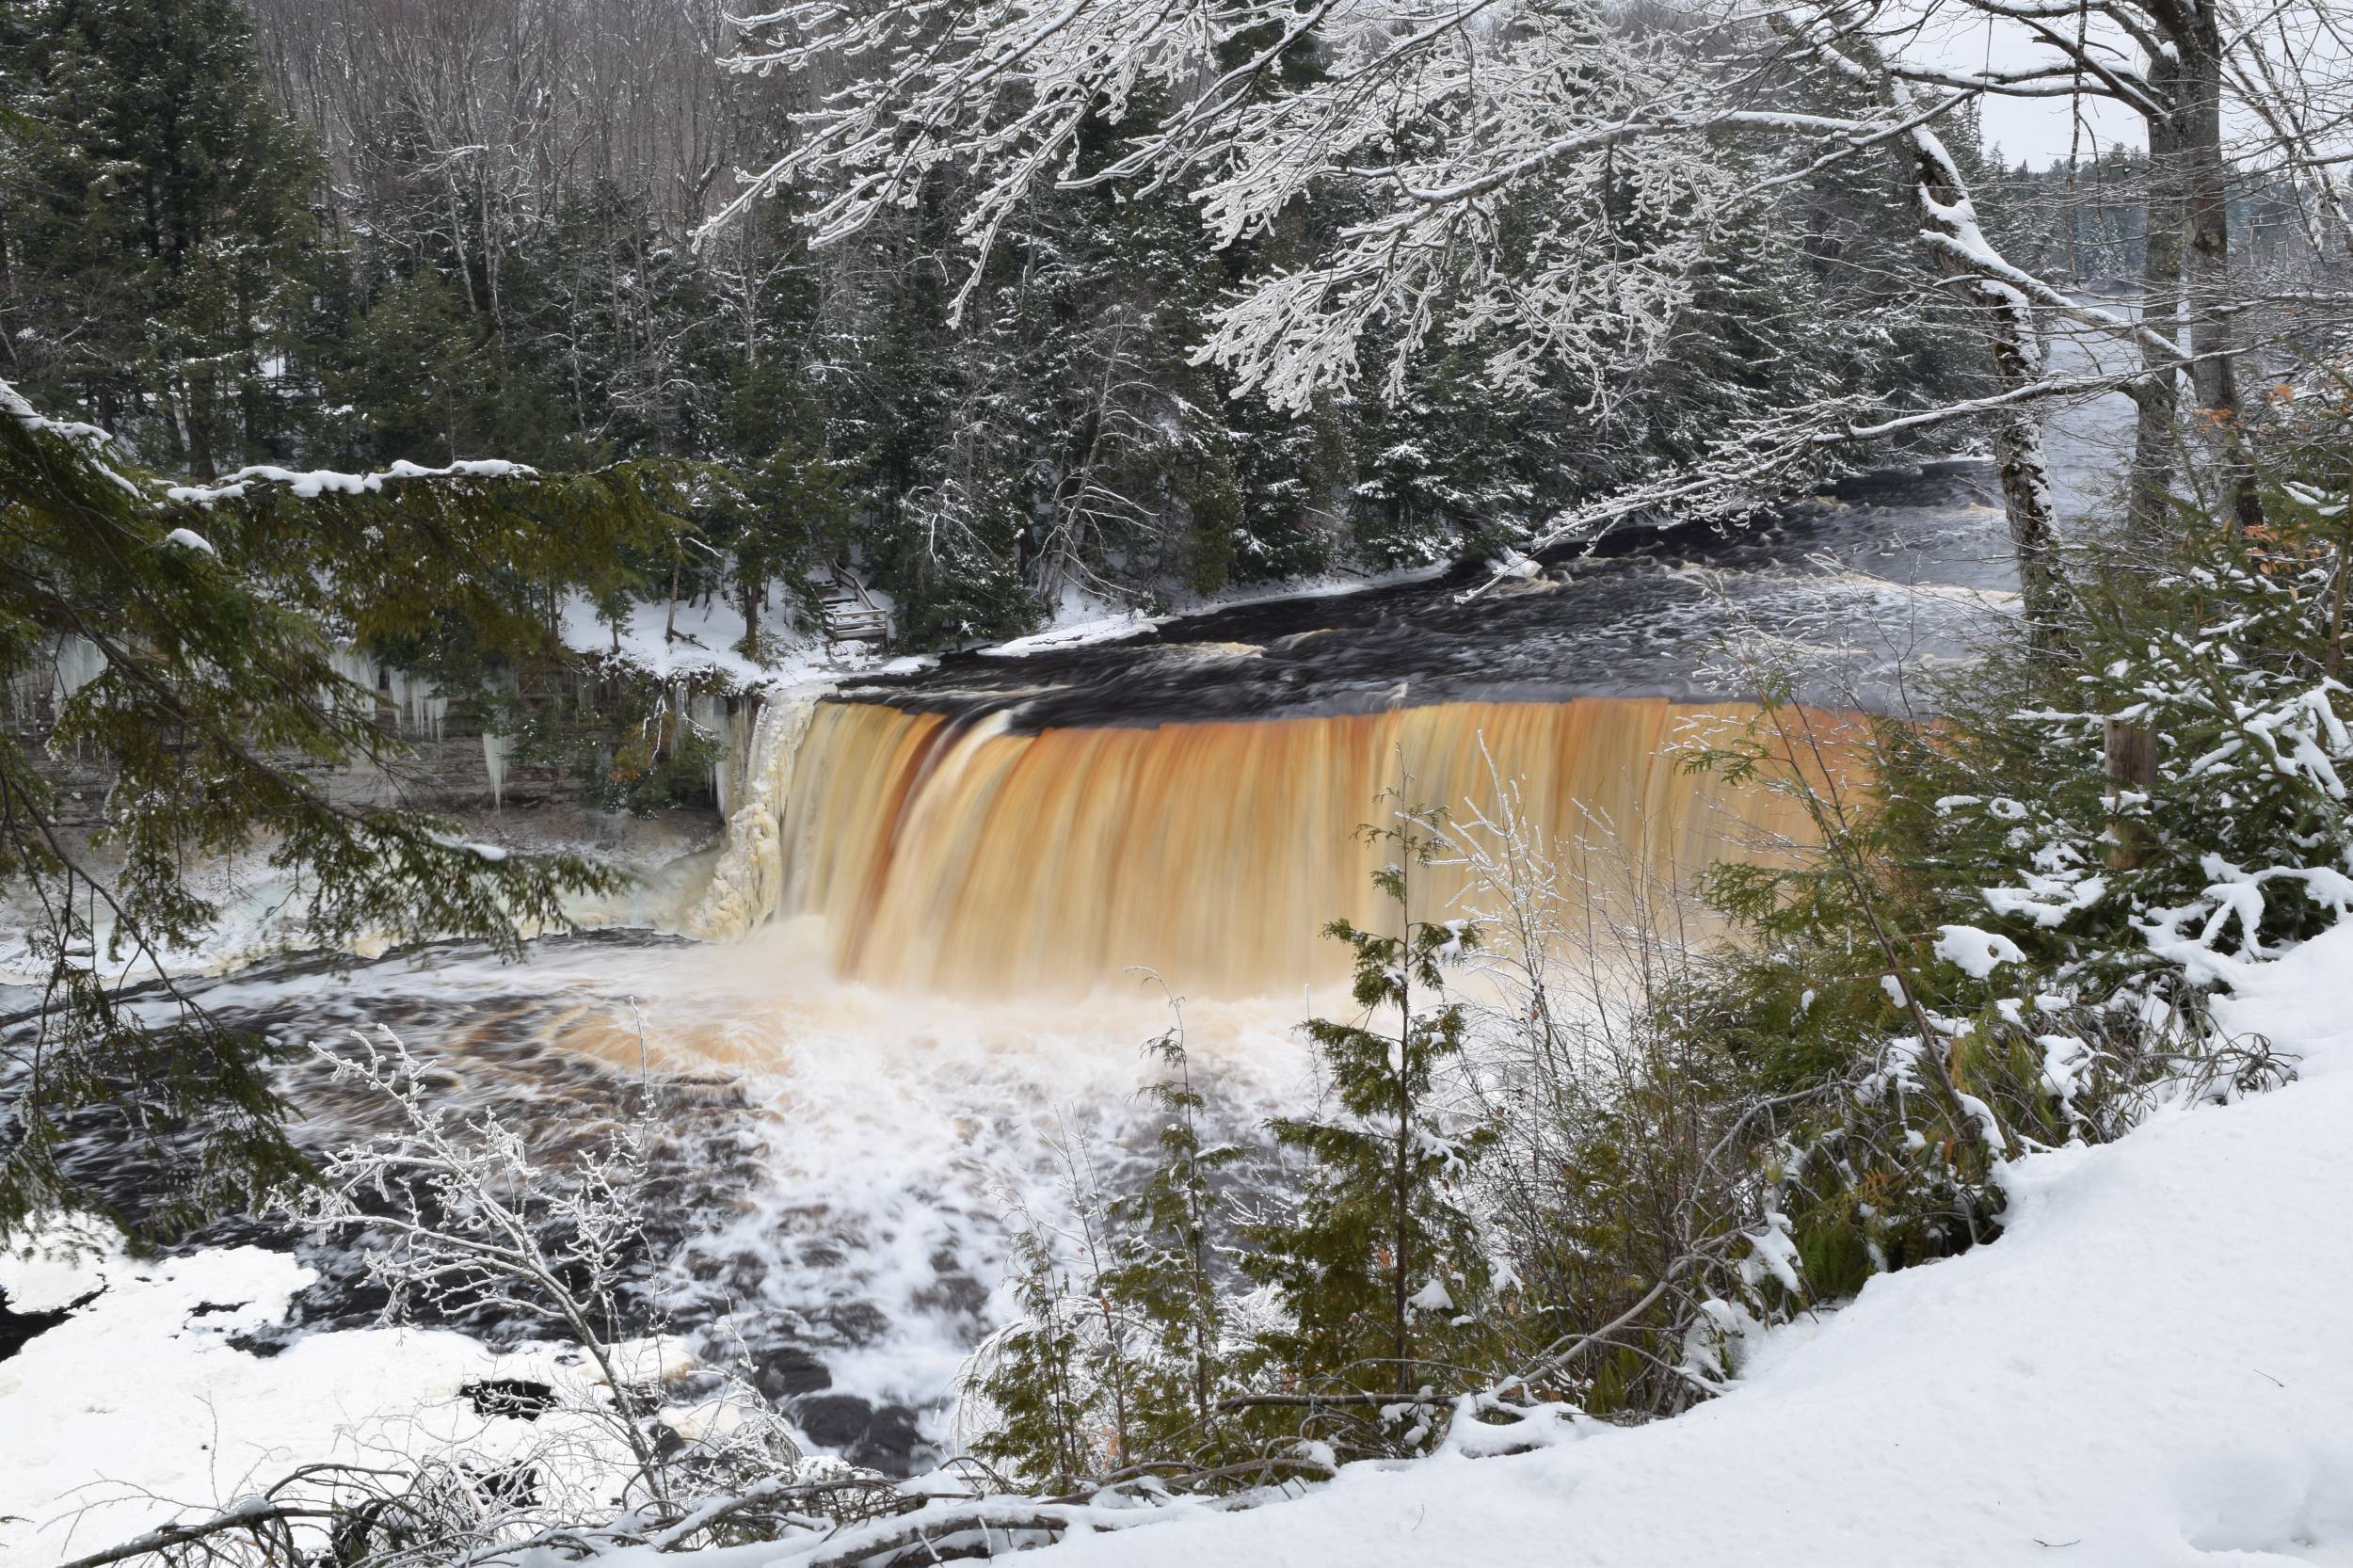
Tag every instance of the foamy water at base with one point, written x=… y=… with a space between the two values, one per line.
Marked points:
x=834 y=1164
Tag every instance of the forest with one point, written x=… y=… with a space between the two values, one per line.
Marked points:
x=903 y=780
x=344 y=235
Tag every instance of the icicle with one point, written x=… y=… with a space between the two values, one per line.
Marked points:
x=360 y=670
x=78 y=663
x=707 y=715
x=494 y=758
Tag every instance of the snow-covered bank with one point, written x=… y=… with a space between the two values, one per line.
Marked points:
x=1081 y=620
x=2142 y=1372
x=138 y=1408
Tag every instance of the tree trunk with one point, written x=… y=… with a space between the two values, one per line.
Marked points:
x=2213 y=333
x=2028 y=505
x=2129 y=754
x=2158 y=395
x=752 y=588
x=198 y=420
x=2003 y=314
x=2198 y=91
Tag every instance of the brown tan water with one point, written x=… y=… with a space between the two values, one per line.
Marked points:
x=971 y=859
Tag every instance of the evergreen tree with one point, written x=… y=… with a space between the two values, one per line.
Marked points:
x=212 y=619
x=1043 y=1381
x=1170 y=1276
x=1380 y=1266
x=155 y=235
x=795 y=523
x=416 y=374
x=1124 y=1347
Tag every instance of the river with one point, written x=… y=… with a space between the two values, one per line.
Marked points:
x=926 y=1007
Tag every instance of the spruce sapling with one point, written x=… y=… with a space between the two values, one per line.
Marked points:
x=1380 y=1264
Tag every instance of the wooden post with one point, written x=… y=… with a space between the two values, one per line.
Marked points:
x=2129 y=755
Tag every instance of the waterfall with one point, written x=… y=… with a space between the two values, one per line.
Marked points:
x=746 y=885
x=968 y=858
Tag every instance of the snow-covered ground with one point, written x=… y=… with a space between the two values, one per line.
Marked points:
x=1083 y=620
x=138 y=1408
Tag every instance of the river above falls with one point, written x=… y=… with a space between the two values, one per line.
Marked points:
x=1887 y=572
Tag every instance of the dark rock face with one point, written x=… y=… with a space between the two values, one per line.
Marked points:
x=523 y=1398
x=447 y=773
x=883 y=1437
x=791 y=1373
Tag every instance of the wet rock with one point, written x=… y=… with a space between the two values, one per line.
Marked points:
x=856 y=1322
x=791 y=1373
x=19 y=1329
x=523 y=1398
x=882 y=1437
x=953 y=1293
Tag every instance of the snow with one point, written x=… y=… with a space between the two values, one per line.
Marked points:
x=1976 y=953
x=188 y=539
x=309 y=483
x=698 y=639
x=145 y=1411
x=2139 y=1373
x=13 y=404
x=472 y=846
x=1081 y=621
x=1110 y=629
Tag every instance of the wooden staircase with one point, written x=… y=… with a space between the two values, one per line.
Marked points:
x=850 y=616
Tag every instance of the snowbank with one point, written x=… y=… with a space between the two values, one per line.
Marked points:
x=138 y=1408
x=2141 y=1372
x=1081 y=620
x=1084 y=633
x=707 y=633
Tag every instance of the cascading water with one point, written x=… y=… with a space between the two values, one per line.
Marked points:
x=746 y=884
x=962 y=857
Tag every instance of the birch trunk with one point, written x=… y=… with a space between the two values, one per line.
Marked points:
x=1948 y=223
x=2156 y=427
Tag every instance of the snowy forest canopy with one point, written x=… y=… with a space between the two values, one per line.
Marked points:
x=351 y=233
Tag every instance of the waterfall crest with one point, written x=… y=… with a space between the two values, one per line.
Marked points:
x=968 y=859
